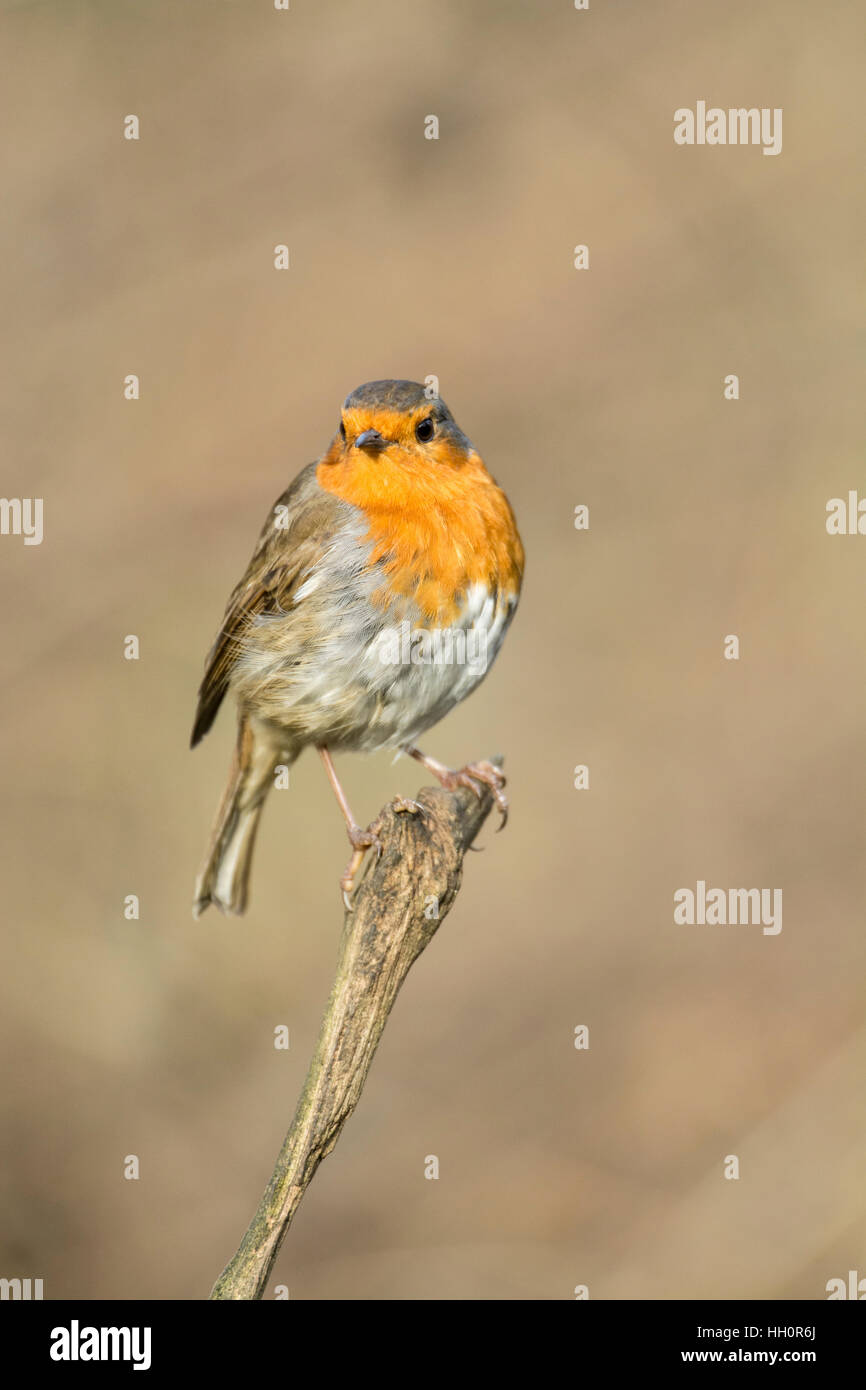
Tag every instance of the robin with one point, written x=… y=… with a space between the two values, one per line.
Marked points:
x=376 y=599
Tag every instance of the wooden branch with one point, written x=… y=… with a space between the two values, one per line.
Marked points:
x=398 y=906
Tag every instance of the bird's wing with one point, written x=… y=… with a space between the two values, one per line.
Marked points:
x=299 y=528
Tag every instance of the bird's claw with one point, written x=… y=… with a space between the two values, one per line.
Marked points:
x=361 y=841
x=484 y=774
x=364 y=840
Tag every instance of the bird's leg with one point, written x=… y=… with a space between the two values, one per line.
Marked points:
x=360 y=840
x=473 y=775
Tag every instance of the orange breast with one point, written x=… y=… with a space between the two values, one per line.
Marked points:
x=437 y=528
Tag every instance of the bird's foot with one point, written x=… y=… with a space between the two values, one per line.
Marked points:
x=362 y=840
x=475 y=776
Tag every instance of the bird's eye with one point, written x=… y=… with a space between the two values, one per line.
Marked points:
x=343 y=431
x=424 y=430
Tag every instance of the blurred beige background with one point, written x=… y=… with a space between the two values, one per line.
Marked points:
x=454 y=257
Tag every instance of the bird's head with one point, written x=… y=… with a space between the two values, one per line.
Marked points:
x=392 y=427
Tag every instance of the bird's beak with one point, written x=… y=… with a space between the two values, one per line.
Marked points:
x=372 y=440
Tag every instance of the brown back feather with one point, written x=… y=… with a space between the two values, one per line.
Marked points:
x=283 y=556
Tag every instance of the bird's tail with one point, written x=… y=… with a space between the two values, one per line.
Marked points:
x=224 y=876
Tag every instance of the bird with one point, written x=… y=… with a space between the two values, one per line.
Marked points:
x=377 y=597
